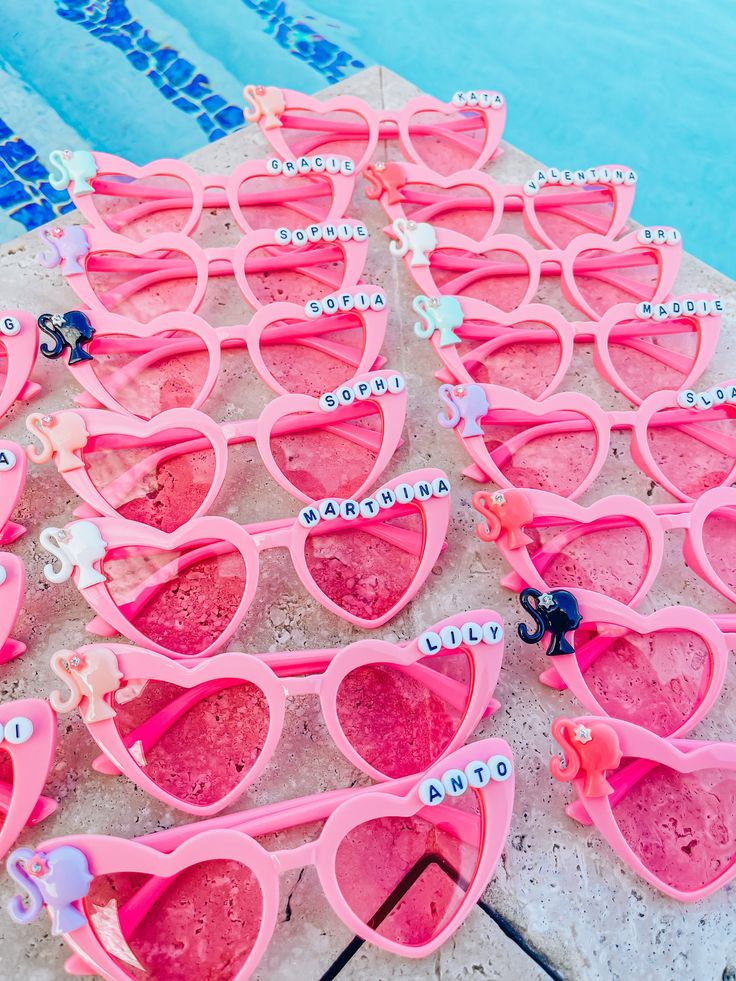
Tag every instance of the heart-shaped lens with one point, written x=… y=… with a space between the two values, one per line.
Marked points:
x=605 y=278
x=649 y=356
x=446 y=142
x=142 y=287
x=564 y=212
x=139 y=207
x=698 y=454
x=464 y=208
x=280 y=201
x=525 y=356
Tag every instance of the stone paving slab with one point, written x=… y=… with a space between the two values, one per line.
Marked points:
x=558 y=885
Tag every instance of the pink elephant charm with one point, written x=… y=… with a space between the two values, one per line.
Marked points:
x=592 y=750
x=66 y=246
x=61 y=436
x=468 y=403
x=507 y=511
x=267 y=104
x=387 y=177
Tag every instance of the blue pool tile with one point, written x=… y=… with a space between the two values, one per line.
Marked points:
x=15 y=192
x=33 y=215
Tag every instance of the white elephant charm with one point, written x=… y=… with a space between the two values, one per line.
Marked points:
x=416 y=237
x=468 y=403
x=90 y=674
x=80 y=545
x=77 y=167
x=439 y=313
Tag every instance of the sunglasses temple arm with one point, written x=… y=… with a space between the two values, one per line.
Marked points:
x=622 y=781
x=585 y=654
x=726 y=623
x=43 y=807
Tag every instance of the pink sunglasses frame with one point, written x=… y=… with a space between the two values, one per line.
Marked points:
x=13 y=472
x=12 y=594
x=396 y=123
x=229 y=260
x=542 y=507
x=341 y=188
x=22 y=802
x=602 y=424
x=287 y=673
x=598 y=332
x=113 y=331
x=645 y=750
x=540 y=262
x=78 y=428
x=504 y=199
x=228 y=837
x=249 y=541
x=19 y=351
x=568 y=670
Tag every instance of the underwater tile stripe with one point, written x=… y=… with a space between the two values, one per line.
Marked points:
x=25 y=192
x=177 y=79
x=301 y=40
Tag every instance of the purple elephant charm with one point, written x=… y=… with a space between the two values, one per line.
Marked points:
x=65 y=245
x=468 y=403
x=56 y=879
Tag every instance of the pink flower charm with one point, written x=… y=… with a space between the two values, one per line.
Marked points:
x=37 y=866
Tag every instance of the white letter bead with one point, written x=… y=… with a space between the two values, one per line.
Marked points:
x=318 y=164
x=7 y=460
x=314 y=233
x=686 y=399
x=478 y=774
x=283 y=236
x=422 y=491
x=452 y=637
x=430 y=642
x=673 y=236
x=553 y=175
x=3 y=574
x=404 y=493
x=660 y=312
x=500 y=768
x=369 y=507
x=274 y=166
x=345 y=301
x=362 y=301
x=718 y=395
x=308 y=516
x=362 y=390
x=313 y=309
x=9 y=326
x=289 y=168
x=347 y=166
x=440 y=487
x=345 y=395
x=703 y=400
x=643 y=310
x=18 y=731
x=396 y=384
x=328 y=402
x=455 y=782
x=329 y=508
x=566 y=178
x=360 y=233
x=386 y=498
x=330 y=305
x=472 y=633
x=379 y=385
x=431 y=792
x=349 y=510
x=329 y=233
x=299 y=237
x=530 y=188
x=304 y=165
x=344 y=232
x=702 y=308
x=492 y=632
x=333 y=165
x=716 y=306
x=378 y=301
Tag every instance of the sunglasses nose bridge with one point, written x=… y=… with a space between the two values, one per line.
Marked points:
x=295 y=858
x=309 y=685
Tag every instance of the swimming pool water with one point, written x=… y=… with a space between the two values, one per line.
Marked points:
x=594 y=81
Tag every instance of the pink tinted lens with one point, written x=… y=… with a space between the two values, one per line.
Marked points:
x=680 y=825
x=142 y=287
x=611 y=556
x=311 y=357
x=341 y=132
x=525 y=356
x=563 y=213
x=719 y=542
x=657 y=680
x=698 y=454
x=141 y=207
x=143 y=478
x=446 y=142
x=498 y=277
x=196 y=744
x=530 y=451
x=295 y=273
x=277 y=201
x=149 y=375
x=329 y=461
x=183 y=933
x=604 y=278
x=463 y=208
x=648 y=356
x=402 y=718
x=406 y=877
x=183 y=600
x=366 y=571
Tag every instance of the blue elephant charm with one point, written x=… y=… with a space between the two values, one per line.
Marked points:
x=72 y=330
x=441 y=313
x=56 y=879
x=75 y=167
x=65 y=245
x=555 y=613
x=468 y=403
